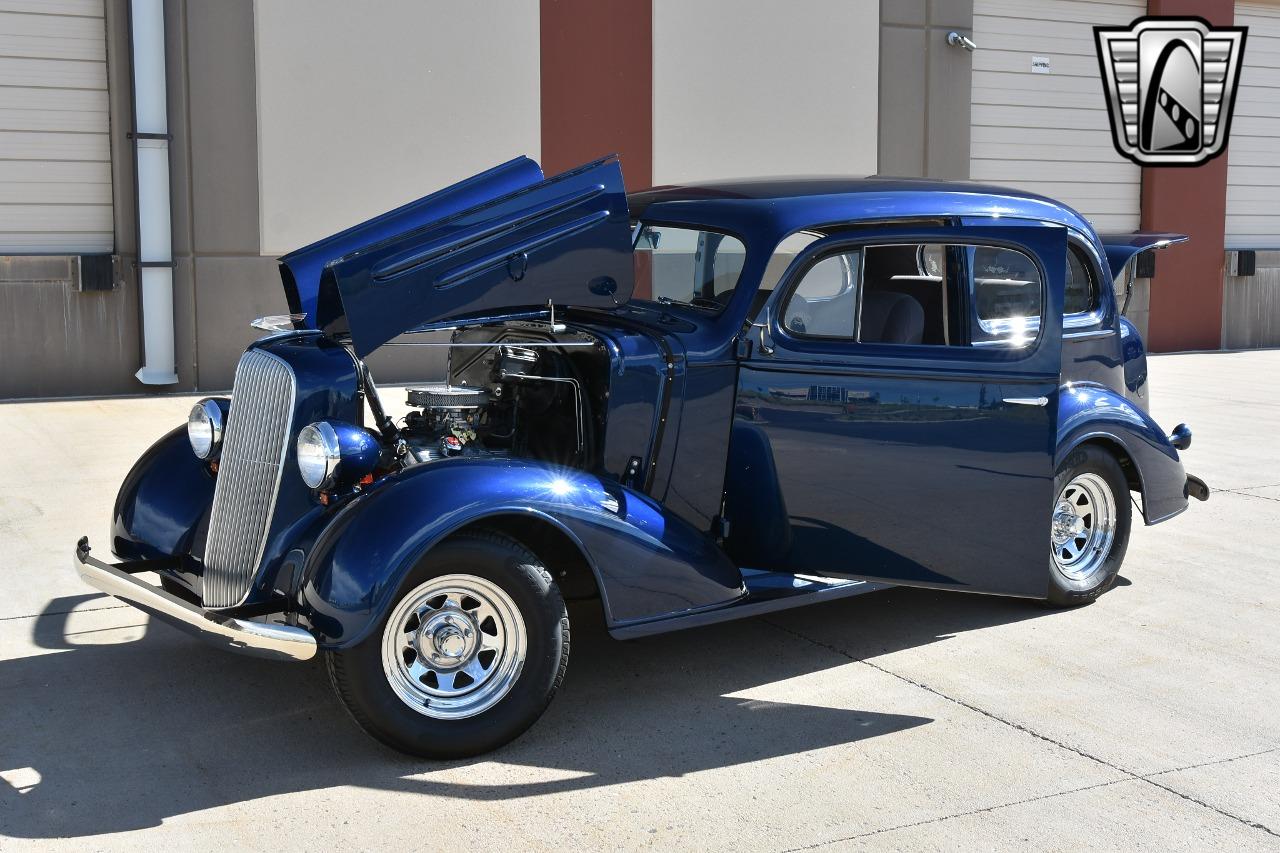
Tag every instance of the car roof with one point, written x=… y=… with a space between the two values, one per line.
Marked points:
x=773 y=207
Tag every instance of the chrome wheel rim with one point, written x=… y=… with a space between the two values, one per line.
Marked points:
x=1083 y=527
x=454 y=647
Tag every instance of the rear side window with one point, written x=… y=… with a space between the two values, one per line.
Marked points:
x=1006 y=296
x=1082 y=290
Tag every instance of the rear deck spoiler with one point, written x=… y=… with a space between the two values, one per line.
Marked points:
x=1121 y=248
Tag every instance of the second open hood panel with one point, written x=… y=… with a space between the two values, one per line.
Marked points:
x=502 y=240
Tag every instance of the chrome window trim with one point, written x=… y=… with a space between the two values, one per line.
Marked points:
x=1083 y=320
x=1088 y=334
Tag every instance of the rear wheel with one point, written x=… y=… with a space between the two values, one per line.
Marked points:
x=469 y=655
x=1089 y=530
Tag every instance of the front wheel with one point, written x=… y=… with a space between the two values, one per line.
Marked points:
x=469 y=656
x=1089 y=530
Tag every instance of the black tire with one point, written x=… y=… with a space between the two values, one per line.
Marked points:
x=358 y=677
x=1064 y=590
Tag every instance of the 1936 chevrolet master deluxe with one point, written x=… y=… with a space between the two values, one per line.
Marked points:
x=694 y=403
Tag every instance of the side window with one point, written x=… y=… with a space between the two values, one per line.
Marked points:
x=910 y=295
x=920 y=294
x=824 y=302
x=1082 y=290
x=1006 y=296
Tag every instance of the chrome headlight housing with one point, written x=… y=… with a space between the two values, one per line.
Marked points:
x=205 y=426
x=331 y=453
x=318 y=455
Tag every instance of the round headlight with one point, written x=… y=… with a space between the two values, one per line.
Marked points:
x=319 y=455
x=333 y=454
x=204 y=428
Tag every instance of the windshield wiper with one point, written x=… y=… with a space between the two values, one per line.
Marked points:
x=704 y=302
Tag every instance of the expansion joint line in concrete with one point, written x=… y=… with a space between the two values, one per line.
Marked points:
x=1129 y=774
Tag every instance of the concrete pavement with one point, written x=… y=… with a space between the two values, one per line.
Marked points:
x=900 y=720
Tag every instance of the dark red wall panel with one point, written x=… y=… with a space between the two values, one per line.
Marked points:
x=1186 y=294
x=597 y=85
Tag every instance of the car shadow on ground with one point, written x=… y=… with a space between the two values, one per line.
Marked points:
x=125 y=735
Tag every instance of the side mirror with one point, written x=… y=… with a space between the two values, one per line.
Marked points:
x=762 y=323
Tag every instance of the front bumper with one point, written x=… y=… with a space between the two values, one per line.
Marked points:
x=260 y=639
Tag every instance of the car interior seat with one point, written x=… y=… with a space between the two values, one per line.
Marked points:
x=891 y=318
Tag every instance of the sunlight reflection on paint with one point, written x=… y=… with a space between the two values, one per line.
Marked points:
x=23 y=779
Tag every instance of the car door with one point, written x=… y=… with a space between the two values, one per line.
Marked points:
x=900 y=426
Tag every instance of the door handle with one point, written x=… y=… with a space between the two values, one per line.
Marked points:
x=955 y=39
x=1027 y=401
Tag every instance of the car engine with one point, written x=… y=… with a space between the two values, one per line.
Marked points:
x=512 y=401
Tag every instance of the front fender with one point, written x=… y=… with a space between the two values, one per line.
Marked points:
x=163 y=501
x=647 y=562
x=1093 y=412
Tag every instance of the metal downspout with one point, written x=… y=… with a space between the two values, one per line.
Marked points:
x=151 y=190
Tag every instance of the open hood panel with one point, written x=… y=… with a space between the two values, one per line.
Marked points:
x=1121 y=247
x=502 y=240
x=301 y=268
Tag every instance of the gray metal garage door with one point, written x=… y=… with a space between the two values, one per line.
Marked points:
x=1253 y=151
x=1046 y=130
x=55 y=169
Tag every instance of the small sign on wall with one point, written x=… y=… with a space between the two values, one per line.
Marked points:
x=1040 y=65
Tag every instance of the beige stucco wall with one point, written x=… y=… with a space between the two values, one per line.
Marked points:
x=363 y=107
x=769 y=87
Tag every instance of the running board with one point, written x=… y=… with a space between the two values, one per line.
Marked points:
x=766 y=592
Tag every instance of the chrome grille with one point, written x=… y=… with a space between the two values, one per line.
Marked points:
x=259 y=427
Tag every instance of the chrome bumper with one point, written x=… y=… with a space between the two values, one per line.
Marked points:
x=260 y=639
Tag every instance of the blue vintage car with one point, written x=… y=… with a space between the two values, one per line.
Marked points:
x=691 y=404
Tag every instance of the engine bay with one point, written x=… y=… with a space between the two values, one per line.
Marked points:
x=521 y=398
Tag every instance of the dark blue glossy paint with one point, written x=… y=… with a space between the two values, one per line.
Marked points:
x=565 y=240
x=1120 y=248
x=1089 y=412
x=359 y=450
x=765 y=211
x=647 y=562
x=163 y=501
x=638 y=384
x=301 y=269
x=875 y=444
x=327 y=388
x=163 y=507
x=1134 y=355
x=884 y=472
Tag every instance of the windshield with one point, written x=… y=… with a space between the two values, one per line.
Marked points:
x=687 y=266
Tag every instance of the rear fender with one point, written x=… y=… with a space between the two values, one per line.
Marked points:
x=1098 y=414
x=647 y=562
